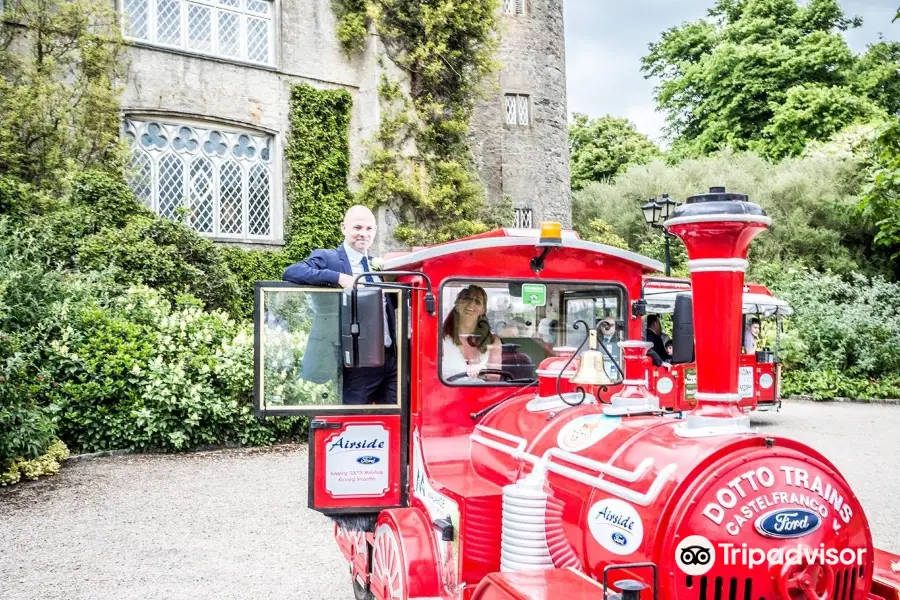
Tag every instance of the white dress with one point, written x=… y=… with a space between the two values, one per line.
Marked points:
x=454 y=363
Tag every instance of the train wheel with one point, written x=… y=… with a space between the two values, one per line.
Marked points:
x=360 y=590
x=388 y=581
x=354 y=547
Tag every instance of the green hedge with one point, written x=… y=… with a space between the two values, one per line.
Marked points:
x=122 y=330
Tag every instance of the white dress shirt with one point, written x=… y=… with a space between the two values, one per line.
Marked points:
x=355 y=258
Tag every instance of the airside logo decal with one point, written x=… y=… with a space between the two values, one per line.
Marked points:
x=357 y=461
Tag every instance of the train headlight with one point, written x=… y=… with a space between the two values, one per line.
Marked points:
x=766 y=381
x=664 y=385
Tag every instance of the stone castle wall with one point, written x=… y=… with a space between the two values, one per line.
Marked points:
x=528 y=163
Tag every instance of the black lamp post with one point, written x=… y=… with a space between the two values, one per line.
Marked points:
x=655 y=214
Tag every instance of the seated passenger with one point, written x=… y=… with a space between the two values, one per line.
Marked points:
x=751 y=336
x=653 y=334
x=469 y=345
x=610 y=341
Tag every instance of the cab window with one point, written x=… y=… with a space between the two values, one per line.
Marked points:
x=498 y=332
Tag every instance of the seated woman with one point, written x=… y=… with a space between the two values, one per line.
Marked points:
x=469 y=345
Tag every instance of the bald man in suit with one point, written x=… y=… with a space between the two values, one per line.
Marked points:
x=338 y=267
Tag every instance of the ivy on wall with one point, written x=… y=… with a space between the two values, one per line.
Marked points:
x=318 y=156
x=446 y=48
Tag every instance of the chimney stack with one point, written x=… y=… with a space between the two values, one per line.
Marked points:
x=717 y=229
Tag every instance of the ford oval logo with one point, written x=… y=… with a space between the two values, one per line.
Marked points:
x=788 y=523
x=367 y=460
x=619 y=539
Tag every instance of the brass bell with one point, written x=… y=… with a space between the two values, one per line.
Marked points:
x=592 y=368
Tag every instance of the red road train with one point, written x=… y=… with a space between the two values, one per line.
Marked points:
x=759 y=373
x=566 y=480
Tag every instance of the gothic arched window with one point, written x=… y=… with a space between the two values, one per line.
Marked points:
x=216 y=179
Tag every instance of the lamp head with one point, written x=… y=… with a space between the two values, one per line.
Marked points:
x=668 y=206
x=651 y=211
x=551 y=234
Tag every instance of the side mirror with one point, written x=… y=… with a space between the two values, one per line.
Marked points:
x=639 y=308
x=362 y=327
x=683 y=330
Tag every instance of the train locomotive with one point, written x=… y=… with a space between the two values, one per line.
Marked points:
x=556 y=474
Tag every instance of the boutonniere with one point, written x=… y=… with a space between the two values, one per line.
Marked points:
x=376 y=264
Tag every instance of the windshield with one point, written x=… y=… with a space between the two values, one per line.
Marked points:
x=498 y=332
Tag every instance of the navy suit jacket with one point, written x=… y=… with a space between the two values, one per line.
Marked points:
x=324 y=267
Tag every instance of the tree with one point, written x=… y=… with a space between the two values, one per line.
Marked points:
x=59 y=96
x=602 y=148
x=767 y=76
x=881 y=197
x=812 y=202
x=878 y=75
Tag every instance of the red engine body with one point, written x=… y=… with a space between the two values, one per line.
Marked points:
x=565 y=485
x=717 y=487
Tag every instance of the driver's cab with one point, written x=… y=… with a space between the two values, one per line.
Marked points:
x=479 y=322
x=500 y=331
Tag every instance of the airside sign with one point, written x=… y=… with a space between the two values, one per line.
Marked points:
x=356 y=462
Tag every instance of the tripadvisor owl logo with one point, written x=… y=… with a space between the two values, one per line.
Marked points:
x=695 y=555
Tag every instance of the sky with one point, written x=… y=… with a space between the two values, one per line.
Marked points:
x=606 y=39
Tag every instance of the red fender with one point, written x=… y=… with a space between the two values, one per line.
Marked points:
x=418 y=549
x=539 y=585
x=886 y=577
x=354 y=546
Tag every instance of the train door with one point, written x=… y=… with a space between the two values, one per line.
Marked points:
x=358 y=459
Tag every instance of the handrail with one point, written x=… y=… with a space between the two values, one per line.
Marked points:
x=606 y=468
x=544 y=463
x=615 y=489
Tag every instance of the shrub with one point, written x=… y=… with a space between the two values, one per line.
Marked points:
x=164 y=255
x=104 y=366
x=811 y=200
x=829 y=384
x=250 y=266
x=102 y=227
x=842 y=325
x=140 y=373
x=46 y=464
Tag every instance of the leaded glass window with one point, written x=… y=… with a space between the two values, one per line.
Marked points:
x=216 y=180
x=237 y=29
x=518 y=109
x=514 y=7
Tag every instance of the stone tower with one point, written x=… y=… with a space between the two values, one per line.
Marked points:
x=520 y=136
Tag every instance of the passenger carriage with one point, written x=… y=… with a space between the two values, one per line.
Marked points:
x=759 y=380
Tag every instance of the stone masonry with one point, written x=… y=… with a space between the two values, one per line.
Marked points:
x=528 y=162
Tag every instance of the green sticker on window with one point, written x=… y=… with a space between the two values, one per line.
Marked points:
x=534 y=294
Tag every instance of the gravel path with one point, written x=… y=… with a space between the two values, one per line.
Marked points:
x=234 y=524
